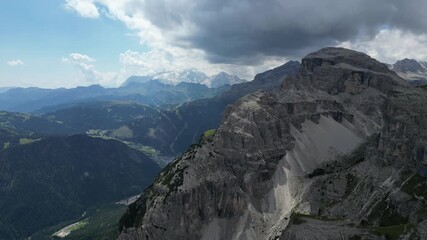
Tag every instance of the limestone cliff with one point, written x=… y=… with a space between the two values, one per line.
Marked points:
x=337 y=153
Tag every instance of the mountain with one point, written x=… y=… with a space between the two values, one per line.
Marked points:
x=58 y=178
x=146 y=126
x=136 y=79
x=187 y=76
x=151 y=92
x=19 y=129
x=337 y=152
x=29 y=99
x=412 y=70
x=191 y=76
x=23 y=124
x=409 y=65
x=102 y=115
x=222 y=79
x=170 y=77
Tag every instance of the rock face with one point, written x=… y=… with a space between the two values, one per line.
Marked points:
x=336 y=153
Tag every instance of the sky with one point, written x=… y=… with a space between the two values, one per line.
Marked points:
x=68 y=43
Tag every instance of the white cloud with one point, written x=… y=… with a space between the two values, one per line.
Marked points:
x=147 y=62
x=85 y=8
x=81 y=57
x=163 y=55
x=83 y=62
x=88 y=72
x=14 y=63
x=247 y=32
x=166 y=29
x=391 y=45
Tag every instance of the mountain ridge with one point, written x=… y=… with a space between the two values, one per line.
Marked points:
x=151 y=92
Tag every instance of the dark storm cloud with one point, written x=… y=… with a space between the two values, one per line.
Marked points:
x=244 y=31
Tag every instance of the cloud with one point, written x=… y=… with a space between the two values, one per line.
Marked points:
x=147 y=62
x=391 y=45
x=85 y=8
x=88 y=72
x=83 y=62
x=14 y=63
x=247 y=31
x=244 y=37
x=81 y=57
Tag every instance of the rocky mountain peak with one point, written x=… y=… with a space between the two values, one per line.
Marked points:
x=340 y=56
x=413 y=71
x=339 y=70
x=409 y=65
x=221 y=74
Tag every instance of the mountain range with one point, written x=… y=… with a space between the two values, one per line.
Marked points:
x=152 y=92
x=169 y=130
x=190 y=76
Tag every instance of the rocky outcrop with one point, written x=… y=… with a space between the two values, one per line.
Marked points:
x=334 y=148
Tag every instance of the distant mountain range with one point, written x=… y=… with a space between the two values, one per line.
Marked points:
x=190 y=76
x=137 y=120
x=169 y=130
x=159 y=89
x=411 y=70
x=151 y=92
